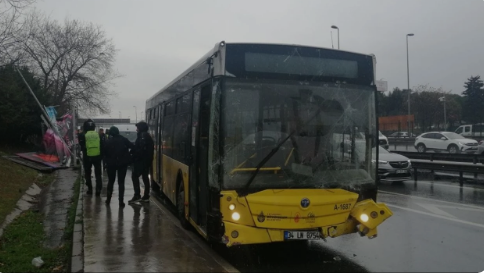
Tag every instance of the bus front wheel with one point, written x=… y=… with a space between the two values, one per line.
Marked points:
x=180 y=203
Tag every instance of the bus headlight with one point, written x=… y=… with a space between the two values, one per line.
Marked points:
x=366 y=212
x=231 y=207
x=235 y=216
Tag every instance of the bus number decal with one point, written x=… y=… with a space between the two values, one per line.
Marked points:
x=342 y=206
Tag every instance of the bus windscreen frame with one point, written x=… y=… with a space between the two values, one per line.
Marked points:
x=290 y=62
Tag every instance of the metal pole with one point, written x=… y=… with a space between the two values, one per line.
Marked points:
x=74 y=135
x=445 y=116
x=338 y=38
x=408 y=86
x=408 y=90
x=136 y=113
x=335 y=27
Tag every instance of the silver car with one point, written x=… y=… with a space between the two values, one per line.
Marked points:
x=393 y=167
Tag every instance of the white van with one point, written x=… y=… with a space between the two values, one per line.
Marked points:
x=471 y=130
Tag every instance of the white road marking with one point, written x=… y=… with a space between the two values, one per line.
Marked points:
x=433 y=200
x=434 y=209
x=450 y=186
x=438 y=216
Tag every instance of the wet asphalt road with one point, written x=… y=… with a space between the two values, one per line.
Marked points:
x=436 y=226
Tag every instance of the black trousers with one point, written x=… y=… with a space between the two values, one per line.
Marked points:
x=89 y=162
x=121 y=171
x=140 y=169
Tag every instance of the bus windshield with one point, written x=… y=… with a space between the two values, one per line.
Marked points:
x=311 y=135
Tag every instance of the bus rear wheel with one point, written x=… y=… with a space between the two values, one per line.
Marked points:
x=180 y=204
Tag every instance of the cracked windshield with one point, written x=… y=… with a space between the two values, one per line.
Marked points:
x=241 y=136
x=308 y=135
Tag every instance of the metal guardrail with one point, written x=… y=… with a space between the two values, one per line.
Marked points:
x=459 y=167
x=474 y=158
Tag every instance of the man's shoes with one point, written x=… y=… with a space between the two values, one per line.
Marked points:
x=145 y=199
x=89 y=192
x=135 y=198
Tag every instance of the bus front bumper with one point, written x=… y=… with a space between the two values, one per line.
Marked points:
x=365 y=217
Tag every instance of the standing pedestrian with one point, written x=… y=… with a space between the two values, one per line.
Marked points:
x=143 y=158
x=103 y=137
x=117 y=158
x=92 y=148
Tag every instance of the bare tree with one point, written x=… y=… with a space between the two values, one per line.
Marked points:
x=74 y=60
x=10 y=26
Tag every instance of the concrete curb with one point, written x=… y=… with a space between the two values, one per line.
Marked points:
x=77 y=259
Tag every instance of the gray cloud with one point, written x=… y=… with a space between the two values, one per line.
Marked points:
x=157 y=40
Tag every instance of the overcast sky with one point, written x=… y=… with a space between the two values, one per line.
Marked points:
x=157 y=40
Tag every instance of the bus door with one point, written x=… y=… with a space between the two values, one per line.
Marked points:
x=199 y=189
x=159 y=146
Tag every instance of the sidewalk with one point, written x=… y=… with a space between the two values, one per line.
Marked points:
x=141 y=238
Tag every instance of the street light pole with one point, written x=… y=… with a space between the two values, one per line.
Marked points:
x=408 y=87
x=335 y=27
x=136 y=113
x=445 y=112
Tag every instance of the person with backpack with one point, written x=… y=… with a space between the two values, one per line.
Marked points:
x=92 y=148
x=117 y=157
x=142 y=160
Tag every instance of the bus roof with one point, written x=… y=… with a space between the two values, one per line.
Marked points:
x=217 y=48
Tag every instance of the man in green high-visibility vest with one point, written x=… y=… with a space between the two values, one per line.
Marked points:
x=92 y=153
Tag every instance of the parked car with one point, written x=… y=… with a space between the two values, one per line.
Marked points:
x=445 y=141
x=402 y=134
x=480 y=148
x=392 y=166
x=383 y=141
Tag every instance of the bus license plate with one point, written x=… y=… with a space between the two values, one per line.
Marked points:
x=401 y=171
x=302 y=235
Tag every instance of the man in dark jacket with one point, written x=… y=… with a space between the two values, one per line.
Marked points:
x=117 y=158
x=103 y=137
x=92 y=148
x=143 y=158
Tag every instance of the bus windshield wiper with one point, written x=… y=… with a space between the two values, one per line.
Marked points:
x=245 y=190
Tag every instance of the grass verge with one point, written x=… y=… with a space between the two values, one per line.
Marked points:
x=23 y=240
x=15 y=179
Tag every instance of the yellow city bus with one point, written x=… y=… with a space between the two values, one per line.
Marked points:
x=261 y=143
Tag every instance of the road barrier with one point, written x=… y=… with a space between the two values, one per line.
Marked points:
x=449 y=166
x=474 y=158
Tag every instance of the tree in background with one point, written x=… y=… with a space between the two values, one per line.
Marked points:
x=74 y=61
x=394 y=104
x=425 y=105
x=19 y=112
x=473 y=100
x=10 y=26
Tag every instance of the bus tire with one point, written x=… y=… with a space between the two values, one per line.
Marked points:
x=180 y=205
